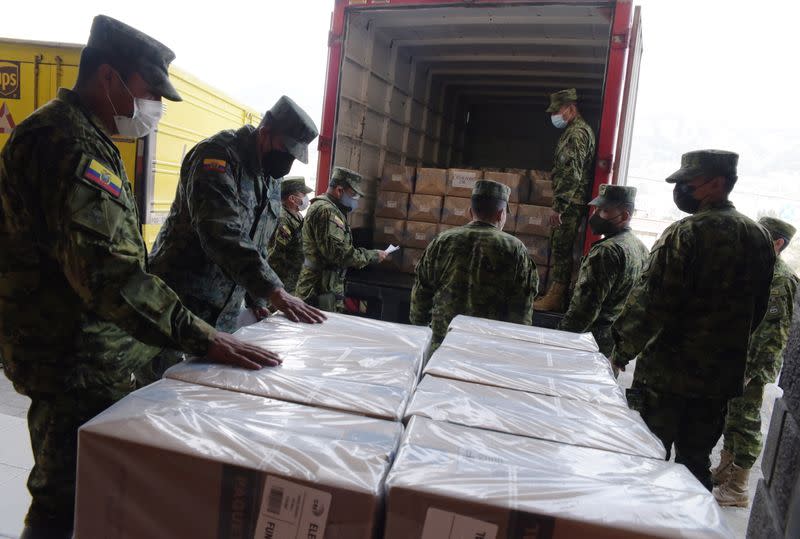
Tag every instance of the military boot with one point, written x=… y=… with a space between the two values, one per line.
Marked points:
x=553 y=301
x=721 y=473
x=733 y=492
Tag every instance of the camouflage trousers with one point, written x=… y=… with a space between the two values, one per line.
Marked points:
x=693 y=424
x=562 y=244
x=53 y=422
x=743 y=425
x=154 y=370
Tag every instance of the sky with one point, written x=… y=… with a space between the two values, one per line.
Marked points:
x=715 y=74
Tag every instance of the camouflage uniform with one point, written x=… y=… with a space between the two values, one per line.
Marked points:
x=743 y=423
x=286 y=245
x=328 y=249
x=476 y=270
x=78 y=310
x=689 y=319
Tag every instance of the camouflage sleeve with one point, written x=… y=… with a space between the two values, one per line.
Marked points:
x=656 y=298
x=101 y=252
x=424 y=288
x=595 y=280
x=214 y=210
x=568 y=170
x=770 y=338
x=335 y=246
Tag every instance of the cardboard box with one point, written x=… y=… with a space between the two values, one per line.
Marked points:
x=538 y=248
x=533 y=220
x=392 y=205
x=180 y=460
x=511 y=219
x=426 y=208
x=544 y=272
x=540 y=175
x=431 y=181
x=456 y=211
x=411 y=257
x=491 y=169
x=352 y=364
x=519 y=184
x=583 y=342
x=398 y=178
x=541 y=193
x=461 y=181
x=361 y=220
x=451 y=481
x=526 y=366
x=389 y=231
x=443 y=227
x=611 y=428
x=520 y=171
x=419 y=235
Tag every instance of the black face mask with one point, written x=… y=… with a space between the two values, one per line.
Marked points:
x=602 y=227
x=277 y=164
x=683 y=195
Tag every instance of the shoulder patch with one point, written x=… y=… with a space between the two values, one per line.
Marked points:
x=215 y=165
x=103 y=177
x=338 y=221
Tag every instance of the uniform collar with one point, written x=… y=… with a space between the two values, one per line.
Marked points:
x=247 y=141
x=72 y=99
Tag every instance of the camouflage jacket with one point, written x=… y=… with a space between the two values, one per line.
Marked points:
x=770 y=338
x=286 y=248
x=607 y=275
x=328 y=250
x=212 y=248
x=77 y=304
x=475 y=270
x=572 y=165
x=702 y=294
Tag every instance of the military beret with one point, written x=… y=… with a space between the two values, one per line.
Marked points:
x=294 y=125
x=561 y=98
x=705 y=162
x=348 y=177
x=614 y=194
x=147 y=56
x=491 y=189
x=294 y=184
x=778 y=228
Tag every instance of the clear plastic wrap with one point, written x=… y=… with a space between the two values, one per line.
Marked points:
x=347 y=363
x=181 y=460
x=525 y=366
x=612 y=428
x=549 y=337
x=449 y=477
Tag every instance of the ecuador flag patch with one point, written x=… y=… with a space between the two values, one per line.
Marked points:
x=101 y=176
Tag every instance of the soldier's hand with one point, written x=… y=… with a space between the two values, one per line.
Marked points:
x=228 y=350
x=260 y=313
x=382 y=256
x=295 y=309
x=555 y=219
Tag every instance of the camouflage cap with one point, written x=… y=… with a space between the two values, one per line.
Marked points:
x=491 y=189
x=614 y=194
x=705 y=162
x=348 y=177
x=295 y=126
x=294 y=184
x=778 y=228
x=559 y=99
x=125 y=44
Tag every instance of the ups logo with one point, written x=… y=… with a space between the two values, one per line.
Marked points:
x=9 y=79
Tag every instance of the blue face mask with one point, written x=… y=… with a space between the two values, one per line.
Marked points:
x=558 y=121
x=349 y=201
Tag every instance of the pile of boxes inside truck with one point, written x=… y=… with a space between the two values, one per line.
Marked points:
x=513 y=431
x=413 y=205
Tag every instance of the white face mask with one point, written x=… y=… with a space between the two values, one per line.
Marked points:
x=558 y=121
x=304 y=204
x=146 y=115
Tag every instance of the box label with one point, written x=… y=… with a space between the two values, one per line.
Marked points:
x=290 y=510
x=420 y=236
x=459 y=211
x=391 y=203
x=446 y=525
x=535 y=220
x=467 y=182
x=388 y=229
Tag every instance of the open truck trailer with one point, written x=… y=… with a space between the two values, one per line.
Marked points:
x=442 y=84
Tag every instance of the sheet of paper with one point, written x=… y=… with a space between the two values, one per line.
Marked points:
x=391 y=249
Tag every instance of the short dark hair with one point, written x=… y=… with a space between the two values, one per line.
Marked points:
x=92 y=59
x=484 y=207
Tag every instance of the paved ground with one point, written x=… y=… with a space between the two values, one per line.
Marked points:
x=16 y=462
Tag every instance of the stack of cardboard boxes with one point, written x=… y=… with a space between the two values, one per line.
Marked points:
x=414 y=205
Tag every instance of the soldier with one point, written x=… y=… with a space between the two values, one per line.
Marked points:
x=571 y=178
x=610 y=270
x=689 y=319
x=77 y=307
x=476 y=269
x=286 y=245
x=328 y=243
x=742 y=434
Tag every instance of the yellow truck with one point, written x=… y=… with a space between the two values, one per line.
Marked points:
x=31 y=72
